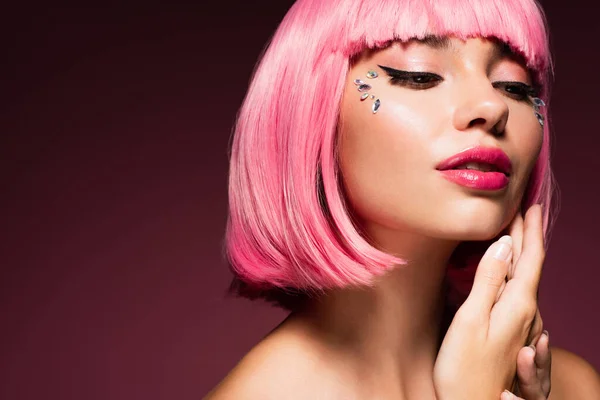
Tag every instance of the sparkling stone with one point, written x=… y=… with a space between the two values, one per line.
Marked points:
x=372 y=96
x=372 y=74
x=358 y=82
x=538 y=102
x=376 y=105
x=364 y=96
x=364 y=87
x=540 y=118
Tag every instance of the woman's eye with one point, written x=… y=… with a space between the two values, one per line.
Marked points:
x=415 y=80
x=516 y=90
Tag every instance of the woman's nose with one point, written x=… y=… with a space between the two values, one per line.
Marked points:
x=482 y=107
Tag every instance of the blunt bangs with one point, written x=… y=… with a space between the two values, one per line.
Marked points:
x=357 y=25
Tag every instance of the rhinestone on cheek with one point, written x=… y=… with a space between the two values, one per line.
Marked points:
x=364 y=87
x=364 y=96
x=376 y=106
x=540 y=118
x=372 y=74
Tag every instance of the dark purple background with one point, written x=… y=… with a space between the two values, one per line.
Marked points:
x=115 y=122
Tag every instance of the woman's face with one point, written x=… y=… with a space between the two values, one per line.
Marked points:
x=472 y=94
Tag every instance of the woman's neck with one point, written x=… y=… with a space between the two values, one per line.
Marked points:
x=392 y=329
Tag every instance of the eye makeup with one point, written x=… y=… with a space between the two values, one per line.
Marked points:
x=424 y=80
x=517 y=90
x=414 y=79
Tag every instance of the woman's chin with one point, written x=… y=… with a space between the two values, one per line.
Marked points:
x=479 y=223
x=485 y=229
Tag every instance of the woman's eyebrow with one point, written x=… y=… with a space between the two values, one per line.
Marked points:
x=436 y=42
x=502 y=49
x=505 y=50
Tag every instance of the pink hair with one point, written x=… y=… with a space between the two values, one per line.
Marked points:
x=288 y=224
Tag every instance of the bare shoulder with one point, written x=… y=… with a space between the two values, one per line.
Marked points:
x=573 y=377
x=286 y=364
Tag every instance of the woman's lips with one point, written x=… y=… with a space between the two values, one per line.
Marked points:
x=474 y=179
x=492 y=156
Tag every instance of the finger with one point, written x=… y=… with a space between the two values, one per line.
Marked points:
x=543 y=361
x=542 y=351
x=489 y=276
x=506 y=395
x=530 y=386
x=516 y=232
x=528 y=268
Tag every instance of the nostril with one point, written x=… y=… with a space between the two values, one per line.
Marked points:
x=477 y=121
x=496 y=130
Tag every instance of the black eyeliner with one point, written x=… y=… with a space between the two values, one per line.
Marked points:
x=396 y=73
x=528 y=89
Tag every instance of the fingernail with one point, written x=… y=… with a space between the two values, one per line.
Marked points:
x=506 y=395
x=547 y=334
x=504 y=245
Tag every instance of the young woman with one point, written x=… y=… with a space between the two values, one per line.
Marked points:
x=390 y=184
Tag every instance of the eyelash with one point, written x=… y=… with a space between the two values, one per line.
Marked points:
x=425 y=80
x=524 y=91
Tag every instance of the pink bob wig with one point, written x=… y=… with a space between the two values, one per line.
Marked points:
x=289 y=229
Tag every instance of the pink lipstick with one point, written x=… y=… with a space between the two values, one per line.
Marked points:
x=483 y=168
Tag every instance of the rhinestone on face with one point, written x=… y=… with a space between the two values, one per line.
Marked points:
x=372 y=96
x=364 y=96
x=538 y=102
x=540 y=118
x=376 y=105
x=358 y=82
x=372 y=74
x=364 y=87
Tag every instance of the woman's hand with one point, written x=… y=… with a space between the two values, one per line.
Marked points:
x=534 y=361
x=478 y=357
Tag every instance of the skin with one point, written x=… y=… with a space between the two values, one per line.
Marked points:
x=382 y=342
